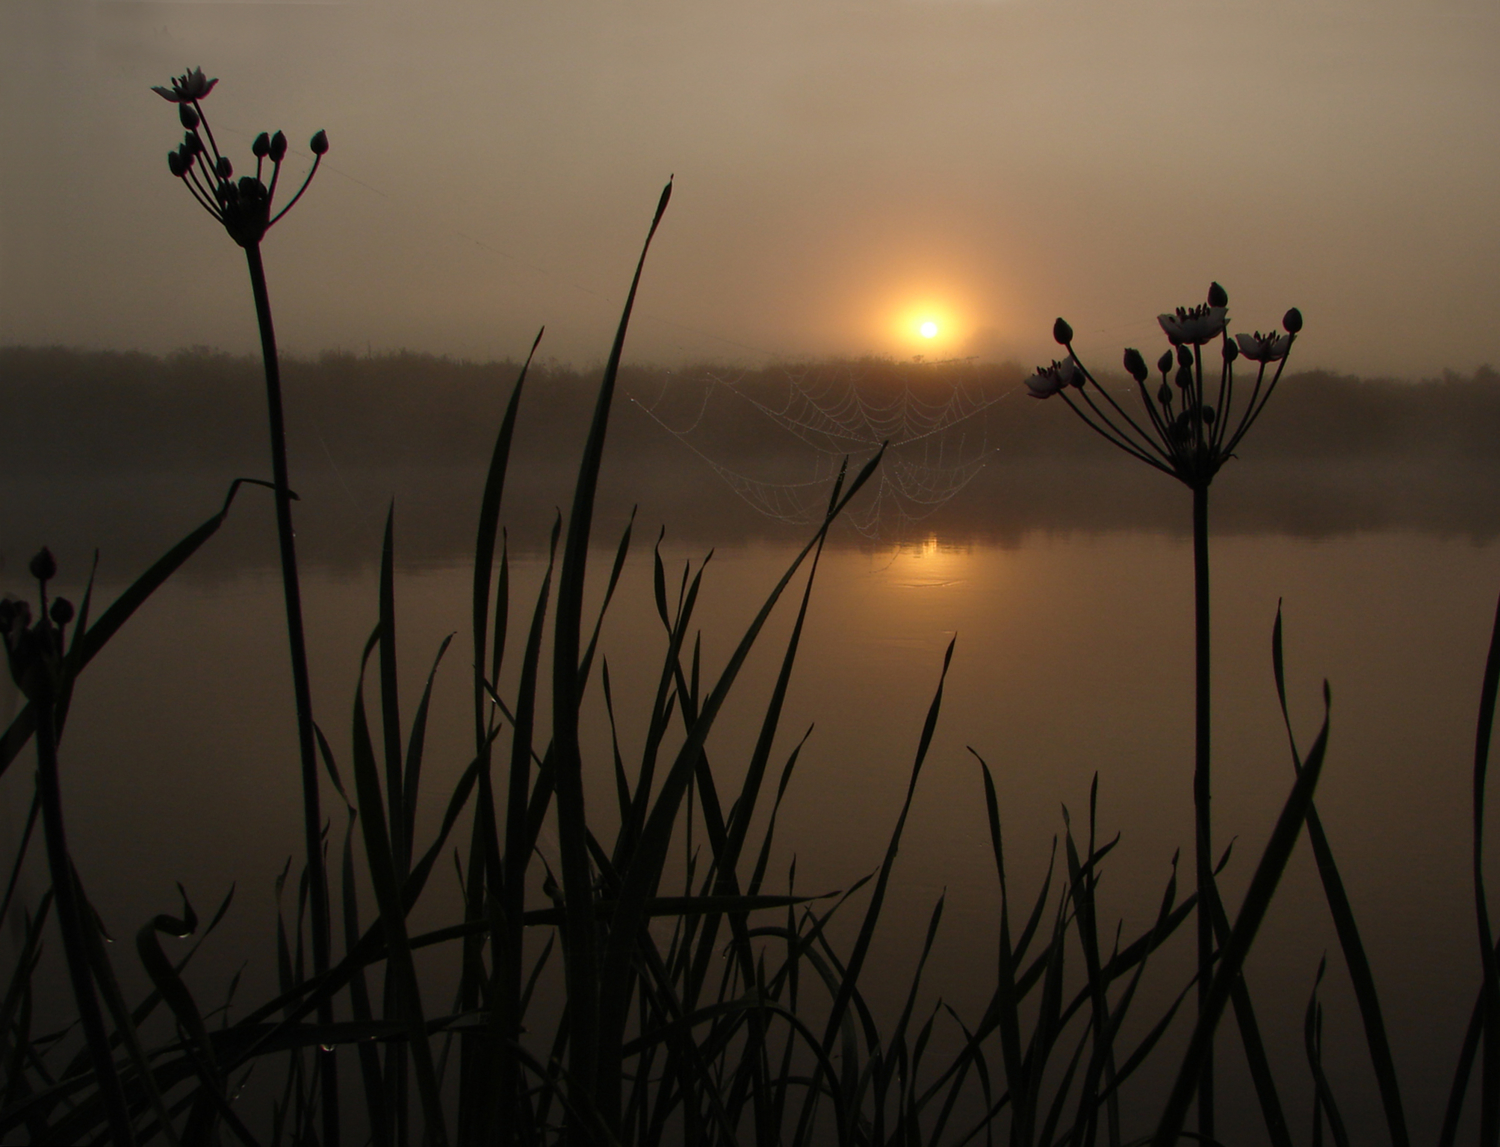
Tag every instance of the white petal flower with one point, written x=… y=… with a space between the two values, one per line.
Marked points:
x=192 y=85
x=1044 y=383
x=1048 y=380
x=1196 y=325
x=1264 y=348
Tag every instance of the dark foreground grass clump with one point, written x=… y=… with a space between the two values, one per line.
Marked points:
x=731 y=1011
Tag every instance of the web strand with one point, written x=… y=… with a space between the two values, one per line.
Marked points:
x=930 y=416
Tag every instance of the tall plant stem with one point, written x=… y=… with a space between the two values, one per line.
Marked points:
x=302 y=689
x=70 y=921
x=1201 y=794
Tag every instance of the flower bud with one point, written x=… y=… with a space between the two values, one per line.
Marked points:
x=262 y=146
x=1292 y=321
x=1062 y=332
x=319 y=142
x=1135 y=365
x=224 y=168
x=1184 y=376
x=1184 y=355
x=1231 y=350
x=62 y=611
x=175 y=164
x=1208 y=415
x=1164 y=363
x=1164 y=395
x=278 y=148
x=251 y=189
x=187 y=115
x=192 y=143
x=1217 y=296
x=44 y=565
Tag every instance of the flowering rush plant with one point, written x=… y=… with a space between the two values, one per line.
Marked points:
x=1190 y=429
x=243 y=206
x=1192 y=425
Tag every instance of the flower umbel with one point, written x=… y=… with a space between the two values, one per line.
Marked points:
x=1187 y=432
x=243 y=206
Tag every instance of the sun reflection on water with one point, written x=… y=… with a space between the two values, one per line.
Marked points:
x=929 y=564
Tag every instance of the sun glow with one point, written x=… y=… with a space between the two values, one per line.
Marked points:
x=927 y=327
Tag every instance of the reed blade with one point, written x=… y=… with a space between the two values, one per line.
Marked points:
x=389 y=896
x=1312 y=1036
x=1489 y=1091
x=390 y=701
x=1339 y=906
x=582 y=962
x=416 y=744
x=484 y=545
x=1232 y=956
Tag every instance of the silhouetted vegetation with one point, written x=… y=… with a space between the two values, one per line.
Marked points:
x=694 y=998
x=107 y=411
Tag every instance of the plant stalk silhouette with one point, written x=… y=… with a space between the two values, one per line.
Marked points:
x=243 y=208
x=40 y=664
x=1188 y=438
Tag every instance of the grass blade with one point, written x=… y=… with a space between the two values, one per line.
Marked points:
x=1342 y=911
x=484 y=545
x=582 y=963
x=1232 y=958
x=1312 y=1034
x=1489 y=1089
x=390 y=702
x=388 y=894
x=415 y=746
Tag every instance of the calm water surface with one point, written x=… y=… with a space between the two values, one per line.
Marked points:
x=1073 y=657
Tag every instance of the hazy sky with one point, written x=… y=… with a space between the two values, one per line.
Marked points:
x=843 y=169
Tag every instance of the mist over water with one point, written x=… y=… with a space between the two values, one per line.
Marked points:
x=125 y=453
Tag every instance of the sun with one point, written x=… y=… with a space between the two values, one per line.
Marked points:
x=928 y=326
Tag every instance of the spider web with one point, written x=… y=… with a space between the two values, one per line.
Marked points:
x=928 y=415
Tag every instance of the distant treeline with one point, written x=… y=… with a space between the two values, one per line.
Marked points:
x=127 y=451
x=76 y=411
